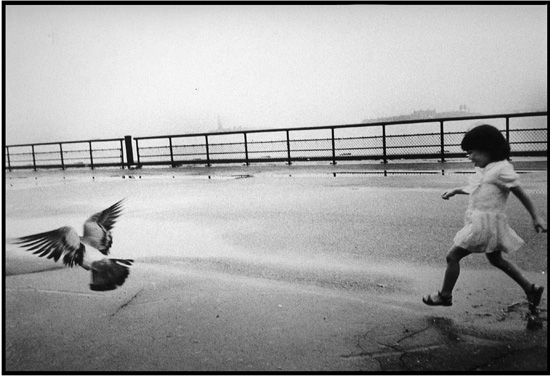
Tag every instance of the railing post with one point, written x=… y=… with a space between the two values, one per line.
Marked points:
x=442 y=134
x=137 y=153
x=121 y=154
x=508 y=129
x=333 y=146
x=171 y=151
x=61 y=154
x=207 y=151
x=8 y=157
x=33 y=158
x=288 y=146
x=246 y=149
x=91 y=155
x=129 y=151
x=384 y=152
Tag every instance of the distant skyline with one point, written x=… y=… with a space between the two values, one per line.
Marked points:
x=78 y=72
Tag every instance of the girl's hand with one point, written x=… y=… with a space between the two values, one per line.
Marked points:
x=540 y=225
x=447 y=194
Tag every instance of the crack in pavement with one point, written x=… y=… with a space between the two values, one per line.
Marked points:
x=127 y=302
x=445 y=334
x=414 y=333
x=395 y=348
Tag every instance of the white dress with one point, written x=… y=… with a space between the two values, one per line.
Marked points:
x=486 y=226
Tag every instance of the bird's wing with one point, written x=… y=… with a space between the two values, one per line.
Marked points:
x=97 y=229
x=54 y=244
x=107 y=217
x=107 y=273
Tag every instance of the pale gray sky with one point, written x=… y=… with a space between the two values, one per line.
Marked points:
x=78 y=72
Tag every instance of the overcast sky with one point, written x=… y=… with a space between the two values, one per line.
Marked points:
x=78 y=72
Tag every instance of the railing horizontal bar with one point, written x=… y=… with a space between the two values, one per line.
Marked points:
x=66 y=142
x=358 y=137
x=269 y=151
x=58 y=166
x=415 y=121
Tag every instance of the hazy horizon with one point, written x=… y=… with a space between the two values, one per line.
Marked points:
x=76 y=72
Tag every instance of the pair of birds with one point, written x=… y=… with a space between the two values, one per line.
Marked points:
x=88 y=251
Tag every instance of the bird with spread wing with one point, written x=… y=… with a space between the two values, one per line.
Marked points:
x=88 y=251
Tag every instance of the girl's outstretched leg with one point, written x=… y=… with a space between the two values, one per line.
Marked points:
x=533 y=292
x=444 y=297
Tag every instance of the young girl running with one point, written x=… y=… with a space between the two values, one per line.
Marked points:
x=486 y=228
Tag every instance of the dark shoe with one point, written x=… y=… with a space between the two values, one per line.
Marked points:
x=437 y=300
x=535 y=295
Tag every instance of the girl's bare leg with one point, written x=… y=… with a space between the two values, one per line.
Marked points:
x=454 y=256
x=510 y=269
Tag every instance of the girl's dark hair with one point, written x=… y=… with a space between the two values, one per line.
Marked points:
x=489 y=139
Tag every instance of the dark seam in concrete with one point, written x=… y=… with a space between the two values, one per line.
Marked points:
x=126 y=303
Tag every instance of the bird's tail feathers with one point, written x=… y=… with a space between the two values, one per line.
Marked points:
x=107 y=274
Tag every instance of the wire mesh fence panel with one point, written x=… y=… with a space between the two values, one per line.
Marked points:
x=267 y=145
x=528 y=140
x=413 y=139
x=308 y=144
x=226 y=147
x=454 y=133
x=452 y=142
x=48 y=154
x=20 y=156
x=189 y=148
x=358 y=141
x=107 y=152
x=528 y=134
x=76 y=154
x=413 y=144
x=153 y=150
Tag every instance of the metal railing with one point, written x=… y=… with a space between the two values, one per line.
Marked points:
x=67 y=154
x=440 y=139
x=430 y=139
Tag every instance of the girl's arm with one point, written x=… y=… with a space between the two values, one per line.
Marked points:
x=538 y=222
x=460 y=190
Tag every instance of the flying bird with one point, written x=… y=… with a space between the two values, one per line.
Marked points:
x=88 y=251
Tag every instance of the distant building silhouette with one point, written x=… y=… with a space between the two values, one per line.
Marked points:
x=463 y=110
